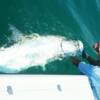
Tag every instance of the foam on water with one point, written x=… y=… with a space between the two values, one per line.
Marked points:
x=32 y=51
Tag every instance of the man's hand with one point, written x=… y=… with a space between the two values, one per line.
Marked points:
x=75 y=60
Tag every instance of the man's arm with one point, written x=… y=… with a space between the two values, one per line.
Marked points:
x=90 y=59
x=82 y=66
x=93 y=61
x=75 y=61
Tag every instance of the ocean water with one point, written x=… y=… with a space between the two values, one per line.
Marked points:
x=71 y=19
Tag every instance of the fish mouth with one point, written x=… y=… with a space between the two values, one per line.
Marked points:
x=71 y=47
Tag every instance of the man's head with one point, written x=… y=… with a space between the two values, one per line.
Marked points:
x=96 y=47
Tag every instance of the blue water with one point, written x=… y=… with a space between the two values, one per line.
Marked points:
x=73 y=19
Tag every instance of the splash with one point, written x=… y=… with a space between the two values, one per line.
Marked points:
x=32 y=51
